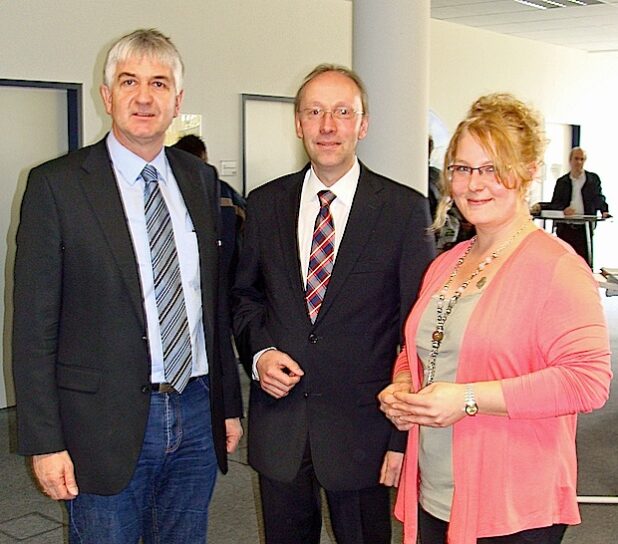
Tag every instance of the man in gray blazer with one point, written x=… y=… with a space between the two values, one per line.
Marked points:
x=331 y=263
x=127 y=388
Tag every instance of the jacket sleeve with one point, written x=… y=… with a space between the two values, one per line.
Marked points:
x=36 y=303
x=573 y=340
x=248 y=294
x=600 y=203
x=562 y=194
x=418 y=251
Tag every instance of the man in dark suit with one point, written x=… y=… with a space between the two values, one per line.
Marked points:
x=578 y=193
x=332 y=259
x=127 y=388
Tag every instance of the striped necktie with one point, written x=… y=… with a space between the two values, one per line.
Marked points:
x=175 y=337
x=322 y=257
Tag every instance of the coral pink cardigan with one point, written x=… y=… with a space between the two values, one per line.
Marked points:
x=540 y=328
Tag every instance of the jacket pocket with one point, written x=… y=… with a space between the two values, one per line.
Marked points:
x=86 y=380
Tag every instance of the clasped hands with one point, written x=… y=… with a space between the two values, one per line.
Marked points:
x=440 y=404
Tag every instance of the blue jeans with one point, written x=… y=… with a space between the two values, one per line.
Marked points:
x=167 y=498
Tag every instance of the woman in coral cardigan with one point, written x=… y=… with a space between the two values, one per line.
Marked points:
x=505 y=345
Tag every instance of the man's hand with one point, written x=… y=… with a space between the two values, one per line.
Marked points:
x=391 y=469
x=233 y=433
x=56 y=475
x=278 y=373
x=569 y=211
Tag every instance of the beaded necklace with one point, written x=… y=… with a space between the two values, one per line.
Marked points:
x=442 y=313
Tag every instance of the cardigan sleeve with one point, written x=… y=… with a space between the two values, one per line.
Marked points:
x=572 y=339
x=401 y=363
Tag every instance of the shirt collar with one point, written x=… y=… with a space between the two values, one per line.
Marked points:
x=344 y=188
x=131 y=165
x=579 y=178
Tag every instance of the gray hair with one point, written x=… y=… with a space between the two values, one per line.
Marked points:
x=144 y=42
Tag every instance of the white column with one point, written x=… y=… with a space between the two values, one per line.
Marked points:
x=390 y=52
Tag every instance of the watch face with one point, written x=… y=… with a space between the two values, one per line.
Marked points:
x=471 y=409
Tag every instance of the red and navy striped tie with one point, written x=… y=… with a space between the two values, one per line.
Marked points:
x=322 y=256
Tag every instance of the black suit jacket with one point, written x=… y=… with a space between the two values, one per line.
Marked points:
x=80 y=352
x=347 y=355
x=592 y=194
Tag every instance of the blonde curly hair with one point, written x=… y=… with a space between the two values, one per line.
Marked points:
x=512 y=135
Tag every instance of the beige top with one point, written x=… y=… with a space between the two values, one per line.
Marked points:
x=435 y=446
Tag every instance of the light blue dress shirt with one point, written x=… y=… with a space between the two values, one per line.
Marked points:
x=127 y=167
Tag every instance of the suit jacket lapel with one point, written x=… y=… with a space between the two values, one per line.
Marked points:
x=101 y=190
x=286 y=210
x=366 y=209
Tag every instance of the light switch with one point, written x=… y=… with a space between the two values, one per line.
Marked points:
x=228 y=168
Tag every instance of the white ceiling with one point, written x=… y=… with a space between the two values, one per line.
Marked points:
x=592 y=28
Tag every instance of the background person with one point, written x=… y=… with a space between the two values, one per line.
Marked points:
x=456 y=228
x=126 y=383
x=322 y=352
x=231 y=218
x=505 y=345
x=578 y=192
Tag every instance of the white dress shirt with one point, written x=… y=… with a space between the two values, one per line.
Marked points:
x=344 y=189
x=577 y=202
x=128 y=167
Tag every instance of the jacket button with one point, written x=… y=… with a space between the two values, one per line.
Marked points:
x=306 y=395
x=145 y=338
x=145 y=389
x=313 y=338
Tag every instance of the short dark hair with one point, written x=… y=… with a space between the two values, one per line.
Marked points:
x=192 y=144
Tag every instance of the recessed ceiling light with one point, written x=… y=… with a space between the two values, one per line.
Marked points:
x=552 y=4
x=531 y=4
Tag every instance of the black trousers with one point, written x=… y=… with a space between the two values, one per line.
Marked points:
x=576 y=236
x=292 y=511
x=433 y=531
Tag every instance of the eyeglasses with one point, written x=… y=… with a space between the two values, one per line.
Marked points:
x=463 y=171
x=343 y=113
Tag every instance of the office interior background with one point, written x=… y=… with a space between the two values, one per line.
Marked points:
x=265 y=47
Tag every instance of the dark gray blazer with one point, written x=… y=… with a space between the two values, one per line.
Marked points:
x=348 y=354
x=80 y=352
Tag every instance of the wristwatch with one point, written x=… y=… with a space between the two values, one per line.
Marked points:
x=470 y=407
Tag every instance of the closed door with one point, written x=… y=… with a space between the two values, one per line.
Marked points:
x=33 y=129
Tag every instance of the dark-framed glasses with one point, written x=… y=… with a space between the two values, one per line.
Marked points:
x=463 y=171
x=344 y=113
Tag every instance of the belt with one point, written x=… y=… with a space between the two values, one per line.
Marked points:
x=168 y=387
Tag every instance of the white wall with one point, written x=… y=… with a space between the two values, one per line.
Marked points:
x=267 y=46
x=229 y=47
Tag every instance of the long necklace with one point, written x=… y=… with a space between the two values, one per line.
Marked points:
x=442 y=313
